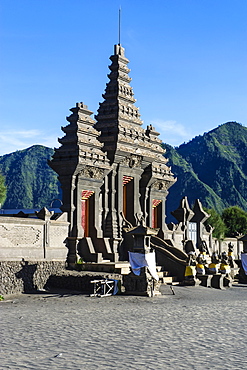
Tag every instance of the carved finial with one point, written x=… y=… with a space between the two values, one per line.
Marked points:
x=44 y=214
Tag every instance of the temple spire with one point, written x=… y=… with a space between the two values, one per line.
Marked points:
x=118 y=106
x=120 y=125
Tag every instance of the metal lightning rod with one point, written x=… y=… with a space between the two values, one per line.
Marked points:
x=119 y=25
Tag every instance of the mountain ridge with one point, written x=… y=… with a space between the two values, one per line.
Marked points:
x=218 y=159
x=30 y=182
x=211 y=167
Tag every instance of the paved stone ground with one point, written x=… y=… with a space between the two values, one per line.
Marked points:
x=197 y=328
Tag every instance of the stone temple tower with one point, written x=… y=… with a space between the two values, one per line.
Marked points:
x=112 y=170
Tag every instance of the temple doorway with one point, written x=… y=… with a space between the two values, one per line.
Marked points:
x=128 y=198
x=86 y=210
x=156 y=213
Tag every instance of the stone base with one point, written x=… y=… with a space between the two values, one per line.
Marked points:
x=143 y=285
x=206 y=280
x=26 y=276
x=190 y=281
x=80 y=281
x=217 y=281
x=18 y=277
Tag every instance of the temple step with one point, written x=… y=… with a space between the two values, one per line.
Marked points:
x=168 y=279
x=160 y=269
x=107 y=266
x=164 y=277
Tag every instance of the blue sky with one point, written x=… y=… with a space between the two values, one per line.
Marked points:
x=188 y=61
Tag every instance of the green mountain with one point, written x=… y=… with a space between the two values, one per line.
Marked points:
x=187 y=184
x=30 y=181
x=212 y=168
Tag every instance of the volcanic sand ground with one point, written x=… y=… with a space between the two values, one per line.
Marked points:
x=197 y=328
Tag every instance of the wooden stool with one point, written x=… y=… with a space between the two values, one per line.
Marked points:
x=102 y=288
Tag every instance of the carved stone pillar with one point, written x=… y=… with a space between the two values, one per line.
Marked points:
x=111 y=225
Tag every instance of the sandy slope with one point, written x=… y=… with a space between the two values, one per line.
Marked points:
x=198 y=328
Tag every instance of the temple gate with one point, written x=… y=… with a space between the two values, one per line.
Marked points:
x=112 y=170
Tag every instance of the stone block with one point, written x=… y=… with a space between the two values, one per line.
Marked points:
x=217 y=281
x=205 y=280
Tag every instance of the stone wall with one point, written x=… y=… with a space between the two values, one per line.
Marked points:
x=30 y=276
x=81 y=280
x=26 y=276
x=238 y=246
x=31 y=250
x=36 y=239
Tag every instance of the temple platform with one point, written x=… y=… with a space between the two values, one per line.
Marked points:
x=121 y=267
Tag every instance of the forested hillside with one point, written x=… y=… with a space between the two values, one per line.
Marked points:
x=188 y=184
x=211 y=167
x=30 y=181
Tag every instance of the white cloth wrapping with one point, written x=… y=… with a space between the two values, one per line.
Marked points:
x=244 y=262
x=139 y=260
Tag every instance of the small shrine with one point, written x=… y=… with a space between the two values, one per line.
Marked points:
x=144 y=279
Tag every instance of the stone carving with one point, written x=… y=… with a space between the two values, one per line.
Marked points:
x=20 y=235
x=160 y=185
x=132 y=161
x=92 y=172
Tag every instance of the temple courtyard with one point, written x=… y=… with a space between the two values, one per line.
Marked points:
x=197 y=328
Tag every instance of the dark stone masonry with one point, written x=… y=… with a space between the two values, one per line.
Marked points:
x=26 y=277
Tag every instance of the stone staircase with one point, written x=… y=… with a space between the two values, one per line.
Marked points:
x=120 y=267
x=123 y=268
x=164 y=277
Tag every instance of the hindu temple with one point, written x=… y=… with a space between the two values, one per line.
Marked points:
x=115 y=180
x=111 y=170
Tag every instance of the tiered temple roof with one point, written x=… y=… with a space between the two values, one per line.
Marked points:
x=80 y=145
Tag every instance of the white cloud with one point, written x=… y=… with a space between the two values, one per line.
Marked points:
x=171 y=132
x=51 y=142
x=12 y=140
